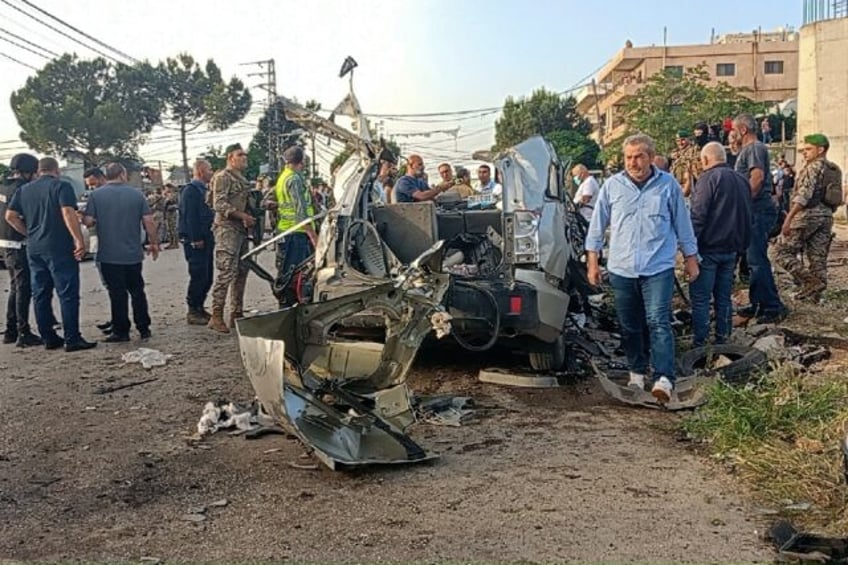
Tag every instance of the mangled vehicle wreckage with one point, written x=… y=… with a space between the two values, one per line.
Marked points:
x=488 y=274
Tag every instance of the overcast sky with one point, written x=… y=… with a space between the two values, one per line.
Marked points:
x=419 y=57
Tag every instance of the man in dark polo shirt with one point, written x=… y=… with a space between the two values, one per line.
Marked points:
x=119 y=210
x=46 y=212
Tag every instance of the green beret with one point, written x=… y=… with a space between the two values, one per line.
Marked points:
x=682 y=133
x=233 y=147
x=817 y=139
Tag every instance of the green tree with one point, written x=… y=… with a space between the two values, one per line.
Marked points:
x=574 y=146
x=670 y=102
x=194 y=96
x=4 y=171
x=289 y=134
x=552 y=116
x=89 y=106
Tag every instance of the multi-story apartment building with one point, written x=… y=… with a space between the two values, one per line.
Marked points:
x=765 y=63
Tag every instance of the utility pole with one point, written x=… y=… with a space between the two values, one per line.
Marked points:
x=272 y=125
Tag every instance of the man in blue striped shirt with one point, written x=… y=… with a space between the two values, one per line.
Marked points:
x=645 y=209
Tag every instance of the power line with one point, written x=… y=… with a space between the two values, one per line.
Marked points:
x=27 y=41
x=24 y=47
x=59 y=31
x=79 y=31
x=17 y=61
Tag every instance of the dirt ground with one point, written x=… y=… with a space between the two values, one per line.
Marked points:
x=548 y=475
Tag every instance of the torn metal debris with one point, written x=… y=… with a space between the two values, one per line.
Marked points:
x=347 y=400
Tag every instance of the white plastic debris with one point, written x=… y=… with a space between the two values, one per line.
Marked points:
x=147 y=357
x=769 y=343
x=209 y=420
x=224 y=416
x=441 y=323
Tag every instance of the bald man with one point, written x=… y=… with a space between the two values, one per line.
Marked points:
x=721 y=208
x=587 y=191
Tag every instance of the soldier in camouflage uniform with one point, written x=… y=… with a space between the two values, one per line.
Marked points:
x=170 y=197
x=157 y=205
x=686 y=162
x=807 y=228
x=230 y=192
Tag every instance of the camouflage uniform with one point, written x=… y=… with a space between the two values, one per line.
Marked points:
x=171 y=219
x=229 y=192
x=686 y=162
x=157 y=205
x=810 y=233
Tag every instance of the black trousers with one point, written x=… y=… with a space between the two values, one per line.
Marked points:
x=20 y=292
x=201 y=269
x=125 y=284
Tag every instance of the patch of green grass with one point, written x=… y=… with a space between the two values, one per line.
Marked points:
x=783 y=434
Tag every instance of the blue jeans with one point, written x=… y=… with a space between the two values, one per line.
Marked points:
x=61 y=272
x=643 y=306
x=714 y=281
x=291 y=252
x=763 y=291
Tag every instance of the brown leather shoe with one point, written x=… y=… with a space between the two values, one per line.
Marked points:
x=216 y=322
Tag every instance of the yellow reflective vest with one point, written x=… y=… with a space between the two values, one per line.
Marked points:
x=286 y=207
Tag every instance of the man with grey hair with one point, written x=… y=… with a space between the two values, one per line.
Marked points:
x=119 y=211
x=646 y=213
x=753 y=163
x=195 y=232
x=587 y=190
x=721 y=217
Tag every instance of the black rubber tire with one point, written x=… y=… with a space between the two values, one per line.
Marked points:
x=551 y=360
x=744 y=360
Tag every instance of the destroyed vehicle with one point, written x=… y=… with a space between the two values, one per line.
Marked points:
x=347 y=400
x=513 y=269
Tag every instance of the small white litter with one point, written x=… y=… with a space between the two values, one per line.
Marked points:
x=147 y=357
x=441 y=322
x=223 y=416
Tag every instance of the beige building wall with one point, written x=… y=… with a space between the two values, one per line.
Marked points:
x=622 y=77
x=823 y=86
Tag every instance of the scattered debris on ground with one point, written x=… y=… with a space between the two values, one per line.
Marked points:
x=148 y=358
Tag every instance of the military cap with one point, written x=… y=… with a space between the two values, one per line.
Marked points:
x=817 y=139
x=233 y=147
x=682 y=133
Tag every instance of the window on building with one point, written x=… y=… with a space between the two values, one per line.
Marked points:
x=726 y=69
x=774 y=67
x=674 y=70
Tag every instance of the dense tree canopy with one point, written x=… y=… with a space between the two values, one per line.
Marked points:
x=552 y=116
x=194 y=96
x=670 y=101
x=89 y=106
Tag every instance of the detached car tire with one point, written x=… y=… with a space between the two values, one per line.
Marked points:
x=551 y=360
x=743 y=359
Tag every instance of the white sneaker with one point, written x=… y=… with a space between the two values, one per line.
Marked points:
x=636 y=381
x=662 y=390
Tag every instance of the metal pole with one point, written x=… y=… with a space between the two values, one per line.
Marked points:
x=280 y=236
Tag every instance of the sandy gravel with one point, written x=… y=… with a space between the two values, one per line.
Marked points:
x=538 y=475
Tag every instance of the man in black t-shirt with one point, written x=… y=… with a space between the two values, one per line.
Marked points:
x=46 y=212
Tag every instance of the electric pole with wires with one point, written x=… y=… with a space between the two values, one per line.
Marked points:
x=274 y=119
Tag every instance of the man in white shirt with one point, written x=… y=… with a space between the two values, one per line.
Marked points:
x=487 y=183
x=587 y=191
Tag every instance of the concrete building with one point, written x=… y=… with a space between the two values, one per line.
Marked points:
x=823 y=77
x=765 y=63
